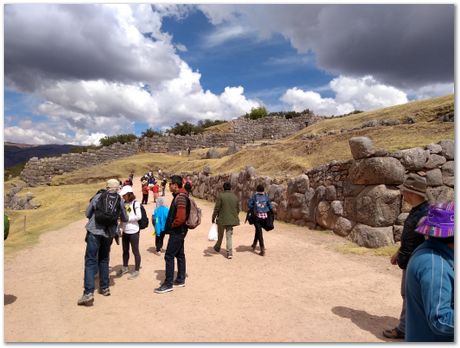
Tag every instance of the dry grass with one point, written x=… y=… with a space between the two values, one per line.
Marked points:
x=351 y=248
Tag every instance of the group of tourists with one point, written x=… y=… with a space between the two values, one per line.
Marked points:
x=426 y=256
x=426 y=253
x=150 y=183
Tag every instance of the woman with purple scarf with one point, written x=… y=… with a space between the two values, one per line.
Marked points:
x=430 y=279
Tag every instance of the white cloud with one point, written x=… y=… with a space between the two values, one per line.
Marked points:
x=224 y=34
x=430 y=91
x=109 y=76
x=350 y=94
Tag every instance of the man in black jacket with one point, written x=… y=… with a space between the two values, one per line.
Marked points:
x=414 y=193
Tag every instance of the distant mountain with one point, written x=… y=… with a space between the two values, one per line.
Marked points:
x=19 y=153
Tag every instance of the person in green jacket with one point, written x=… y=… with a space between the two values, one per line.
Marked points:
x=226 y=216
x=6 y=226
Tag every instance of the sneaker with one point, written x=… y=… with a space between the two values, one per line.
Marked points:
x=178 y=284
x=163 y=289
x=394 y=333
x=229 y=256
x=216 y=249
x=105 y=292
x=123 y=270
x=134 y=275
x=86 y=300
x=262 y=253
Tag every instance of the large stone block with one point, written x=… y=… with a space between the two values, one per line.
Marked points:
x=377 y=206
x=298 y=184
x=371 y=237
x=434 y=177
x=414 y=159
x=440 y=194
x=361 y=147
x=324 y=216
x=448 y=149
x=377 y=170
x=343 y=226
x=435 y=161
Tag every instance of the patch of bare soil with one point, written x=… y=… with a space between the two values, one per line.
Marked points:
x=302 y=290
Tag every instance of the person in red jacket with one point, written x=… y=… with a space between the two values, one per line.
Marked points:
x=177 y=230
x=156 y=192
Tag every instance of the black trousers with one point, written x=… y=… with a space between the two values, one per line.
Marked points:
x=145 y=198
x=259 y=235
x=175 y=249
x=133 y=240
x=159 y=241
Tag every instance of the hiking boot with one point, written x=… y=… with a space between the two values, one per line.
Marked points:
x=123 y=270
x=178 y=284
x=134 y=275
x=163 y=289
x=86 y=300
x=394 y=333
x=105 y=292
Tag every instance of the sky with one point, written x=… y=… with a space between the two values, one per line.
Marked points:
x=75 y=73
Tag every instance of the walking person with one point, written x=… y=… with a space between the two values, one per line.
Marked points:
x=99 y=237
x=131 y=232
x=163 y=187
x=225 y=214
x=414 y=193
x=159 y=216
x=430 y=279
x=145 y=192
x=177 y=230
x=156 y=192
x=260 y=204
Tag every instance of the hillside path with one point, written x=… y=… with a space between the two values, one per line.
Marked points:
x=302 y=290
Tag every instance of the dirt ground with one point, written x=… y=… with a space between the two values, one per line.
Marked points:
x=302 y=290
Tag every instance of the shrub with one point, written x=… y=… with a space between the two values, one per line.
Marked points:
x=208 y=123
x=257 y=113
x=184 y=128
x=121 y=138
x=149 y=133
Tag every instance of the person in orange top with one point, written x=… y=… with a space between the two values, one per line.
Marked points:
x=156 y=192
x=145 y=192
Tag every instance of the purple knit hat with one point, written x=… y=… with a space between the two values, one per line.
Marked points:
x=439 y=222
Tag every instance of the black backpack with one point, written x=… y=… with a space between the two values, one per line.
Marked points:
x=144 y=221
x=107 y=209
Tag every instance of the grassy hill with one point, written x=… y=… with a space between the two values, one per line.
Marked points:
x=66 y=199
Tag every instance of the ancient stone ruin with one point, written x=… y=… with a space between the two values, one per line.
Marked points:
x=358 y=199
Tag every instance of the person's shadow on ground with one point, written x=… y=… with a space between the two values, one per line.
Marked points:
x=243 y=248
x=210 y=252
x=9 y=299
x=373 y=323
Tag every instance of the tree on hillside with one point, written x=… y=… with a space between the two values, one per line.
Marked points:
x=184 y=128
x=121 y=138
x=257 y=113
x=149 y=133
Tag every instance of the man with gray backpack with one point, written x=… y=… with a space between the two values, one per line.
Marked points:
x=103 y=213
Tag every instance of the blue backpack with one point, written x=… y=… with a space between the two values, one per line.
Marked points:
x=260 y=203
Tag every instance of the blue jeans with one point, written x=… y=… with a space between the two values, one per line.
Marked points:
x=96 y=260
x=175 y=249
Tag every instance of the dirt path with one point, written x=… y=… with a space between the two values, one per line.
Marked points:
x=301 y=291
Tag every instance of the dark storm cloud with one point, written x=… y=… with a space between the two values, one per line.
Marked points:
x=404 y=45
x=78 y=42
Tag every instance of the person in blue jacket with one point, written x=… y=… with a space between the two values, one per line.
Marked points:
x=430 y=279
x=159 y=216
x=260 y=204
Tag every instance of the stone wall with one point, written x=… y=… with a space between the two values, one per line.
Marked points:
x=41 y=171
x=357 y=199
x=242 y=130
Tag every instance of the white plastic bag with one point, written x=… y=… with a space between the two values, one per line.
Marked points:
x=212 y=235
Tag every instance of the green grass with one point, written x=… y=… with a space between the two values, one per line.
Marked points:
x=351 y=248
